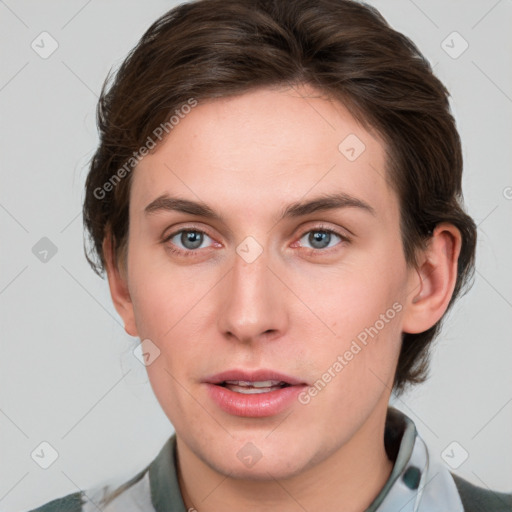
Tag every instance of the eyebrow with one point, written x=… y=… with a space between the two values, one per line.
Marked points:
x=322 y=203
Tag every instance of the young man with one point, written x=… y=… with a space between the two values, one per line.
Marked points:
x=277 y=203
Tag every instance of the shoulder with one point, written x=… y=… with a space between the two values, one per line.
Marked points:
x=119 y=494
x=70 y=503
x=108 y=496
x=478 y=499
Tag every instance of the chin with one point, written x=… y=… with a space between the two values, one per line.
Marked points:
x=264 y=470
x=260 y=460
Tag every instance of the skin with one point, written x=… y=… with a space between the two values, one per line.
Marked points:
x=291 y=309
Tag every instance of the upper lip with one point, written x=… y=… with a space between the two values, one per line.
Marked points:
x=252 y=376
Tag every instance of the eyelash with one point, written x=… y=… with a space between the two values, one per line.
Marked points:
x=192 y=253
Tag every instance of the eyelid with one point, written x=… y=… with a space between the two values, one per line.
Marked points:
x=322 y=226
x=188 y=227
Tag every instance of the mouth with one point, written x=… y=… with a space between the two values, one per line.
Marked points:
x=256 y=393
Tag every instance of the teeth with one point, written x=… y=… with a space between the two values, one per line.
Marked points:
x=250 y=388
x=249 y=391
x=256 y=384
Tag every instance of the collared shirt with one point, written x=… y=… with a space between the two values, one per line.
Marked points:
x=418 y=482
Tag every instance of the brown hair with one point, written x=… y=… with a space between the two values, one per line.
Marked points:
x=345 y=49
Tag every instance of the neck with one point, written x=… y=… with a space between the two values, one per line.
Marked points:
x=348 y=480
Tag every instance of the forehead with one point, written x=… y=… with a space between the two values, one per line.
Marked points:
x=262 y=149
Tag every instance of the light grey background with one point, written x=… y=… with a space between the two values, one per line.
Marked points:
x=68 y=375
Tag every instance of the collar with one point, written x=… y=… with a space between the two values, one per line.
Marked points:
x=414 y=485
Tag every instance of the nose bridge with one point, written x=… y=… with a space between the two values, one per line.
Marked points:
x=252 y=304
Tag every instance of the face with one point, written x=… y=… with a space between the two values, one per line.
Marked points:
x=298 y=308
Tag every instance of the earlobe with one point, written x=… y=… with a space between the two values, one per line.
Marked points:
x=119 y=291
x=433 y=282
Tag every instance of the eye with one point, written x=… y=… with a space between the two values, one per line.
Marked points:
x=321 y=238
x=187 y=242
x=190 y=240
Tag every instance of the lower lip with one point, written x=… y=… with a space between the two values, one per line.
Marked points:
x=256 y=405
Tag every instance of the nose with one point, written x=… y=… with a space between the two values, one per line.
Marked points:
x=253 y=305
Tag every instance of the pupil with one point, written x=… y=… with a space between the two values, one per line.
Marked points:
x=191 y=237
x=319 y=236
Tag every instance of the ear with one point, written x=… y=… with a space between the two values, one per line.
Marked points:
x=118 y=284
x=431 y=284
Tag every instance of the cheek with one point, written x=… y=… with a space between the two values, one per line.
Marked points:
x=365 y=312
x=166 y=315
x=357 y=368
x=355 y=300
x=166 y=297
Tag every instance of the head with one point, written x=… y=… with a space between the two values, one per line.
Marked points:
x=250 y=108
